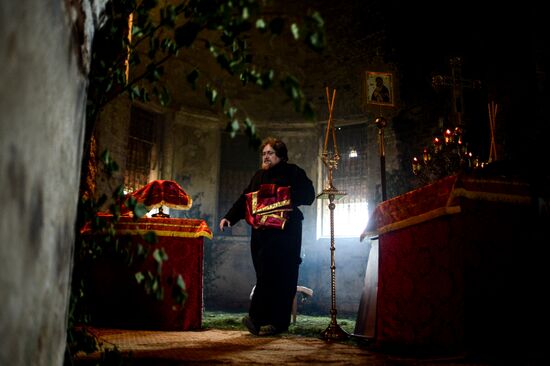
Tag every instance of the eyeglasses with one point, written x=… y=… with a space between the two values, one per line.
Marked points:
x=268 y=153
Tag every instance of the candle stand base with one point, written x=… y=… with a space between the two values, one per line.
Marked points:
x=334 y=333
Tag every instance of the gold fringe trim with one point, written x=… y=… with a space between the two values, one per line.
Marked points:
x=171 y=205
x=266 y=209
x=430 y=215
x=488 y=196
x=164 y=233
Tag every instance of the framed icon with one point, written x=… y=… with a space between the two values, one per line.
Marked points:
x=380 y=88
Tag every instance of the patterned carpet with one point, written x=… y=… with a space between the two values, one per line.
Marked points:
x=227 y=347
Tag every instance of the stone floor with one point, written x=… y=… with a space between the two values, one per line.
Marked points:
x=228 y=347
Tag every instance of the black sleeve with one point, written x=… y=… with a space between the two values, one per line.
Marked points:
x=238 y=210
x=302 y=190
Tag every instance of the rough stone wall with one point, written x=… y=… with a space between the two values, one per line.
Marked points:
x=195 y=162
x=44 y=48
x=112 y=135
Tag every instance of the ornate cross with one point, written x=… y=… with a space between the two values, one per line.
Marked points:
x=456 y=83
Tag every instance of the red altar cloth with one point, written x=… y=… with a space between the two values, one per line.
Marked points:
x=119 y=301
x=447 y=265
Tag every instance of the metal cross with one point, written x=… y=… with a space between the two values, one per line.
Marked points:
x=456 y=83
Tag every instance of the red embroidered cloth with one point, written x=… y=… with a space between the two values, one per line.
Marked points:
x=163 y=192
x=268 y=207
x=442 y=198
x=448 y=262
x=169 y=227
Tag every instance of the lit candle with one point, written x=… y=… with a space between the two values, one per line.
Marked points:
x=447 y=136
x=437 y=144
x=415 y=165
x=458 y=131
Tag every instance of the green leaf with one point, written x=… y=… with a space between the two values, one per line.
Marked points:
x=134 y=92
x=235 y=64
x=317 y=19
x=139 y=277
x=231 y=112
x=160 y=255
x=140 y=250
x=235 y=125
x=180 y=282
x=315 y=41
x=140 y=210
x=137 y=31
x=261 y=25
x=211 y=95
x=164 y=97
x=245 y=13
x=291 y=87
x=295 y=31
x=250 y=128
x=315 y=36
x=109 y=164
x=213 y=50
x=267 y=79
x=179 y=291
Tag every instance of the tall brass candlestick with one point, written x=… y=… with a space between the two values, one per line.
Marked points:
x=381 y=123
x=333 y=331
x=492 y=117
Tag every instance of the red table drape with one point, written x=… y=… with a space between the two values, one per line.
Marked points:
x=118 y=301
x=446 y=264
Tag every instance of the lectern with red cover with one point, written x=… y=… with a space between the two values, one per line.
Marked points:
x=453 y=265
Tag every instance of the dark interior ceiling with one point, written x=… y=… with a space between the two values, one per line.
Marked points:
x=502 y=45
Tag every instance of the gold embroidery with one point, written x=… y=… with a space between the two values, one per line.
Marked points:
x=271 y=207
x=275 y=211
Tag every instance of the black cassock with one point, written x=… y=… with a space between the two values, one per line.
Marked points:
x=275 y=252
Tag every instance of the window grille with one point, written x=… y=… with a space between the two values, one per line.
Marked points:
x=350 y=176
x=141 y=142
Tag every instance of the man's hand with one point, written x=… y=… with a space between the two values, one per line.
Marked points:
x=223 y=223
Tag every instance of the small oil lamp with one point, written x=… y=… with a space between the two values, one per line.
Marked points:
x=415 y=165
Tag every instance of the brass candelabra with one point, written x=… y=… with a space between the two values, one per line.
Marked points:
x=333 y=331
